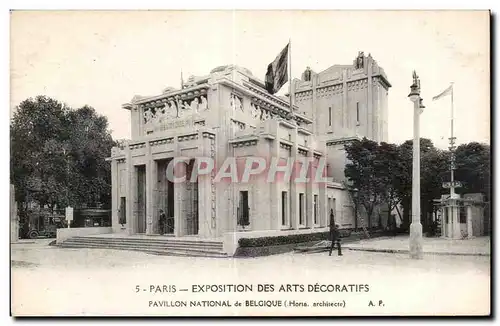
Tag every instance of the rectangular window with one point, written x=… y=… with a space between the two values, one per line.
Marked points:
x=301 y=208
x=357 y=112
x=315 y=209
x=284 y=205
x=330 y=116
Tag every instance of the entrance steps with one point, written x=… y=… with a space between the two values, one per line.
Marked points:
x=153 y=245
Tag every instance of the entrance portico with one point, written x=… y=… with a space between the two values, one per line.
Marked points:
x=142 y=189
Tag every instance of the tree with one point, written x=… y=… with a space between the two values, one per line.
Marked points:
x=393 y=175
x=35 y=129
x=473 y=165
x=58 y=154
x=362 y=174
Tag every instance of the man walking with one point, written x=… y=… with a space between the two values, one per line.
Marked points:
x=333 y=233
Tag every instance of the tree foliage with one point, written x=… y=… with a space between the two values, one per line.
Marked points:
x=361 y=173
x=58 y=154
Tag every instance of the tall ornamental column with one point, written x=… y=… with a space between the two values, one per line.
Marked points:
x=416 y=251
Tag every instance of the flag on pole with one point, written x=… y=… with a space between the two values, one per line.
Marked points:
x=443 y=93
x=182 y=81
x=277 y=72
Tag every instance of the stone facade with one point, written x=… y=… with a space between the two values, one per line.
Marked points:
x=228 y=113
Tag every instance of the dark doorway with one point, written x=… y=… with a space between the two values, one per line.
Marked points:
x=301 y=208
x=284 y=208
x=165 y=197
x=243 y=210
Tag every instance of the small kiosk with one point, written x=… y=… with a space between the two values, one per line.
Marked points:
x=462 y=217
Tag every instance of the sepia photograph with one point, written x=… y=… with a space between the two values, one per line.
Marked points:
x=250 y=163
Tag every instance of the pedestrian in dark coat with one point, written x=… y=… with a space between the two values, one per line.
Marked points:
x=333 y=232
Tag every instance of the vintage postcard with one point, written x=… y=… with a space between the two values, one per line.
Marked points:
x=250 y=163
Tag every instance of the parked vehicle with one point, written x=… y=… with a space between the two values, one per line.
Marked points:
x=42 y=224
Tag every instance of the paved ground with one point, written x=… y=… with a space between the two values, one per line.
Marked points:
x=59 y=281
x=439 y=246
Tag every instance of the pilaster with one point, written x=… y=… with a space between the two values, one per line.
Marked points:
x=204 y=189
x=150 y=186
x=345 y=109
x=294 y=197
x=309 y=190
x=115 y=220
x=323 y=203
x=315 y=127
x=369 y=109
x=275 y=196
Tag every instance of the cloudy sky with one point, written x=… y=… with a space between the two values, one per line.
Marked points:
x=103 y=58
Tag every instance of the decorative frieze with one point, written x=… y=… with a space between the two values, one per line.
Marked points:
x=179 y=106
x=326 y=91
x=236 y=103
x=302 y=96
x=357 y=85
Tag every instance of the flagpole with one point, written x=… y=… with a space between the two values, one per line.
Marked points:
x=452 y=149
x=182 y=81
x=290 y=74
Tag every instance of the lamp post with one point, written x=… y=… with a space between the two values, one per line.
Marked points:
x=416 y=227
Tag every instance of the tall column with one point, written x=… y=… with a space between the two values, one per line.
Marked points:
x=115 y=220
x=179 y=194
x=416 y=251
x=131 y=186
x=149 y=188
x=204 y=190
